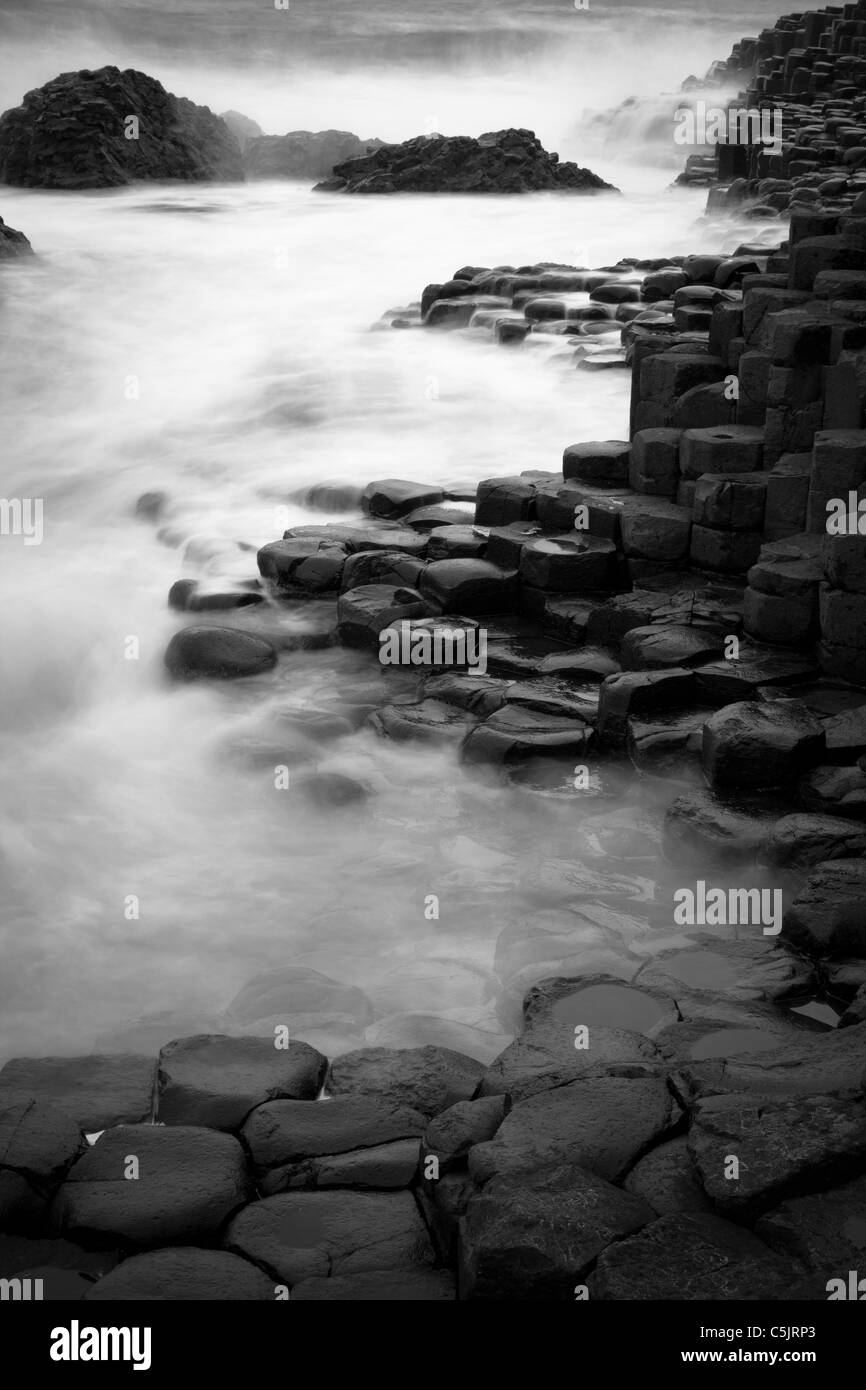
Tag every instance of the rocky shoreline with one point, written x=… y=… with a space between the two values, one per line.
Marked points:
x=686 y=605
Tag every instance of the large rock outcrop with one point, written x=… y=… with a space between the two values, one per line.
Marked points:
x=106 y=128
x=503 y=161
x=303 y=154
x=13 y=243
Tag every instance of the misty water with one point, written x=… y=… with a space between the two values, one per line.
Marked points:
x=218 y=343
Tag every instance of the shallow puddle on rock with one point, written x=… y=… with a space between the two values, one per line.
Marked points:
x=728 y=1042
x=610 y=1006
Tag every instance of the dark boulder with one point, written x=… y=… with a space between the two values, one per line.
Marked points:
x=503 y=161
x=77 y=132
x=197 y=653
x=13 y=243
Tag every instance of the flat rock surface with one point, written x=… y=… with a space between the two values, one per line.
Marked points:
x=428 y=1079
x=601 y=1125
x=94 y=1091
x=188 y=1181
x=216 y=1081
x=304 y=1235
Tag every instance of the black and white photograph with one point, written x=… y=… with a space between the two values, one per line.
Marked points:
x=432 y=671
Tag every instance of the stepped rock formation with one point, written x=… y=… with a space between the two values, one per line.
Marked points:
x=76 y=132
x=503 y=161
x=303 y=154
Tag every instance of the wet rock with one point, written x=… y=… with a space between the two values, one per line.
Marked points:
x=534 y=1235
x=380 y=1166
x=597 y=1124
x=282 y=1136
x=822 y=1231
x=632 y=693
x=827 y=917
x=735 y=969
x=451 y=1135
x=396 y=497
x=666 y=743
x=659 y=646
x=784 y=1147
x=727 y=449
x=503 y=161
x=430 y=720
x=824 y=1063
x=71 y=133
x=741 y=678
x=305 y=563
x=37 y=1142
x=691 y=1257
x=302 y=1235
x=528 y=1066
x=567 y=564
x=469 y=586
x=185 y=596
x=478 y=695
x=699 y=828
x=383 y=567
x=658 y=530
x=654 y=462
x=93 y=1091
x=372 y=535
x=802 y=841
x=456 y=543
x=216 y=1081
x=428 y=1079
x=554 y=1007
x=188 y=1181
x=845 y=735
x=606 y=463
x=515 y=733
x=183 y=1274
x=217 y=653
x=751 y=745
x=501 y=501
x=666 y=1180
x=439 y=516
x=364 y=612
x=837 y=791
